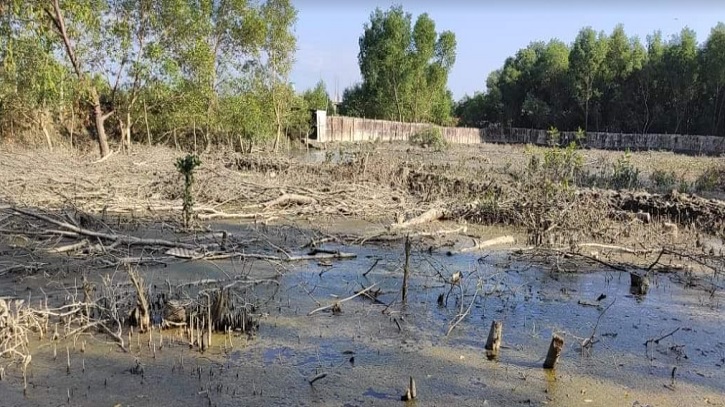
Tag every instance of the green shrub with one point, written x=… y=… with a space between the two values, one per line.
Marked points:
x=663 y=180
x=711 y=179
x=561 y=165
x=625 y=176
x=431 y=137
x=553 y=137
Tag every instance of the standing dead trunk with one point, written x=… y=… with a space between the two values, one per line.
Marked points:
x=140 y=315
x=406 y=269
x=557 y=344
x=493 y=344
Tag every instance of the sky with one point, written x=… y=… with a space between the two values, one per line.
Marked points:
x=487 y=31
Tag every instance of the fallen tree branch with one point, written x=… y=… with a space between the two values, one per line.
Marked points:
x=359 y=293
x=488 y=243
x=287 y=199
x=427 y=216
x=256 y=256
x=69 y=248
x=620 y=249
x=657 y=341
x=120 y=239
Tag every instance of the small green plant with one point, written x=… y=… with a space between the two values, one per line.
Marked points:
x=553 y=137
x=711 y=179
x=561 y=165
x=431 y=137
x=663 y=180
x=625 y=176
x=186 y=167
x=580 y=137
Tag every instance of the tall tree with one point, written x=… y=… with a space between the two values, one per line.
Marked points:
x=713 y=71
x=587 y=56
x=279 y=48
x=405 y=68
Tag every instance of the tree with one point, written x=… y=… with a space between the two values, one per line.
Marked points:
x=317 y=98
x=713 y=70
x=405 y=68
x=586 y=58
x=681 y=59
x=83 y=45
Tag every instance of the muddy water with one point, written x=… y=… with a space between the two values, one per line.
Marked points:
x=367 y=355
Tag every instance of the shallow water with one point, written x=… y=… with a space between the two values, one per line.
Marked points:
x=368 y=356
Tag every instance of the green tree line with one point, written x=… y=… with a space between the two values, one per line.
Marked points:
x=609 y=83
x=211 y=71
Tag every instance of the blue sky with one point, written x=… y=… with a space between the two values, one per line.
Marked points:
x=487 y=31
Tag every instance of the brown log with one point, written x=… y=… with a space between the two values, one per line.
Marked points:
x=555 y=348
x=488 y=243
x=289 y=199
x=427 y=216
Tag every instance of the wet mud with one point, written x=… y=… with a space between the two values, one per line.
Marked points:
x=364 y=354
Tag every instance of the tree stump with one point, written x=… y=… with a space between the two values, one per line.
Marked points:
x=555 y=348
x=493 y=344
x=639 y=285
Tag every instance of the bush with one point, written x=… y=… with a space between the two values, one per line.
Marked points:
x=625 y=176
x=710 y=180
x=431 y=137
x=663 y=180
x=553 y=137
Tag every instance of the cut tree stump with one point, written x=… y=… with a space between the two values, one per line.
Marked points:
x=493 y=344
x=639 y=285
x=555 y=348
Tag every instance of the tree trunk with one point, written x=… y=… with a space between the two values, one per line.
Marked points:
x=99 y=119
x=56 y=17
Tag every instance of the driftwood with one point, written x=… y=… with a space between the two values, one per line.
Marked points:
x=488 y=243
x=117 y=238
x=614 y=248
x=427 y=216
x=290 y=199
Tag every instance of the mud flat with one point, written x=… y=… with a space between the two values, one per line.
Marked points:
x=306 y=263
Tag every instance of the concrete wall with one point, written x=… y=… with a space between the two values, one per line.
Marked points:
x=341 y=128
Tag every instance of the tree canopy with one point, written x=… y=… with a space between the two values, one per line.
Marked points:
x=142 y=69
x=609 y=82
x=405 y=69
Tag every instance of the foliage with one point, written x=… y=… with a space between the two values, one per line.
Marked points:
x=625 y=176
x=548 y=191
x=431 y=137
x=405 y=69
x=167 y=71
x=664 y=180
x=553 y=137
x=186 y=167
x=711 y=179
x=609 y=83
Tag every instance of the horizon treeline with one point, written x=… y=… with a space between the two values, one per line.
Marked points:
x=608 y=83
